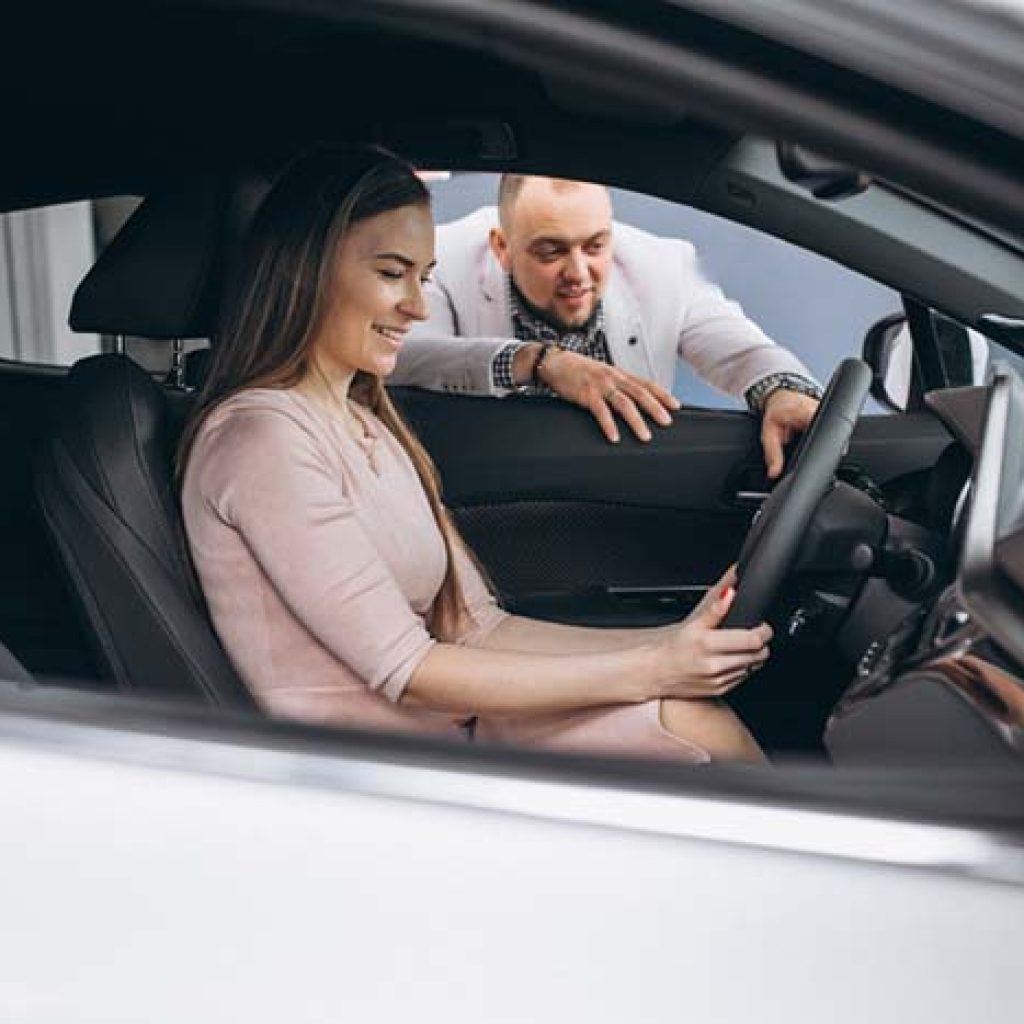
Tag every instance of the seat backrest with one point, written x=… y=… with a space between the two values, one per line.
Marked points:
x=105 y=479
x=107 y=494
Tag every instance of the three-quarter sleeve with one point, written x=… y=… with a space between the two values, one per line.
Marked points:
x=266 y=475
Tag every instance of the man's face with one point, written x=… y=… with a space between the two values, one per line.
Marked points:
x=557 y=245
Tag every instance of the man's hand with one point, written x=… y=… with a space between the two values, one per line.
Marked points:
x=607 y=392
x=786 y=414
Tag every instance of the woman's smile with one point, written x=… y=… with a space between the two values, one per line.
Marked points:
x=380 y=270
x=395 y=336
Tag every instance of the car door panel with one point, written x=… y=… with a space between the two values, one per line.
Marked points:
x=574 y=529
x=599 y=563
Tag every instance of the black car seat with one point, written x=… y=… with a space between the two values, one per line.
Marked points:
x=105 y=480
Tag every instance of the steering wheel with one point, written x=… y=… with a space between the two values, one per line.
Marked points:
x=774 y=539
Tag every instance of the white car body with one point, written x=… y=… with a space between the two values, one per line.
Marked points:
x=162 y=866
x=163 y=879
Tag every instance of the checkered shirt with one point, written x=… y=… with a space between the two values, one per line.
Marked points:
x=590 y=340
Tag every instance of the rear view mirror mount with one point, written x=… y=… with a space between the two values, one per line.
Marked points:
x=822 y=177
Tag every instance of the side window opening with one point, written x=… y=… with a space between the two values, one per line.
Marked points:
x=811 y=305
x=816 y=308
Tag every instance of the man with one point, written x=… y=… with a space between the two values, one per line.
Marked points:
x=599 y=312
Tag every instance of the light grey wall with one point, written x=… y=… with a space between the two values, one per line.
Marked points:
x=43 y=255
x=817 y=308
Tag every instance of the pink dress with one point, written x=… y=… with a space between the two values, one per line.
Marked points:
x=319 y=558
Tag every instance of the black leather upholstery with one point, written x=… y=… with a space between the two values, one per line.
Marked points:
x=107 y=494
x=105 y=480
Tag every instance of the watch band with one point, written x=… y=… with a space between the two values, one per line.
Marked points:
x=757 y=395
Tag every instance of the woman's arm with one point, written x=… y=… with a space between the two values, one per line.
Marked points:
x=693 y=660
x=517 y=633
x=472 y=680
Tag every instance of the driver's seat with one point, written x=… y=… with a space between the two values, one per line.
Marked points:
x=105 y=479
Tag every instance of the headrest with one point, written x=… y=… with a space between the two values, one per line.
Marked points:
x=161 y=276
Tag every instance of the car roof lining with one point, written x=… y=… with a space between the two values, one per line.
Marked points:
x=146 y=75
x=955 y=267
x=260 y=86
x=964 y=53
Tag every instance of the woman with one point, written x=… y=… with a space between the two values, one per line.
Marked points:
x=335 y=579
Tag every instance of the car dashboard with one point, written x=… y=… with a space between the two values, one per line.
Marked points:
x=946 y=679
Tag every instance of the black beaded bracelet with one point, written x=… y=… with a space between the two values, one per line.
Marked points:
x=535 y=376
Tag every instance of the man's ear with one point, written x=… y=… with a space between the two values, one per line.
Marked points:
x=499 y=246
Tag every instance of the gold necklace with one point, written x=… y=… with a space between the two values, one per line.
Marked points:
x=354 y=425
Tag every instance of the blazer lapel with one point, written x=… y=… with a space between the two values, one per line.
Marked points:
x=624 y=326
x=495 y=316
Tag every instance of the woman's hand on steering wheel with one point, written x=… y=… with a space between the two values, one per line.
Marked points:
x=700 y=659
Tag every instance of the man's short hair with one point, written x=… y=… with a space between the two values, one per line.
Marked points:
x=508 y=192
x=512 y=184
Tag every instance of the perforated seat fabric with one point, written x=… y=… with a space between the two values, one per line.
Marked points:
x=106 y=490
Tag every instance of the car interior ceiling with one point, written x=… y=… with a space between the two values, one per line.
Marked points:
x=207 y=78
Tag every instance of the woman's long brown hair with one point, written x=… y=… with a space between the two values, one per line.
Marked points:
x=276 y=298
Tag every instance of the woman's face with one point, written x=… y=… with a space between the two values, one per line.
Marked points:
x=377 y=295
